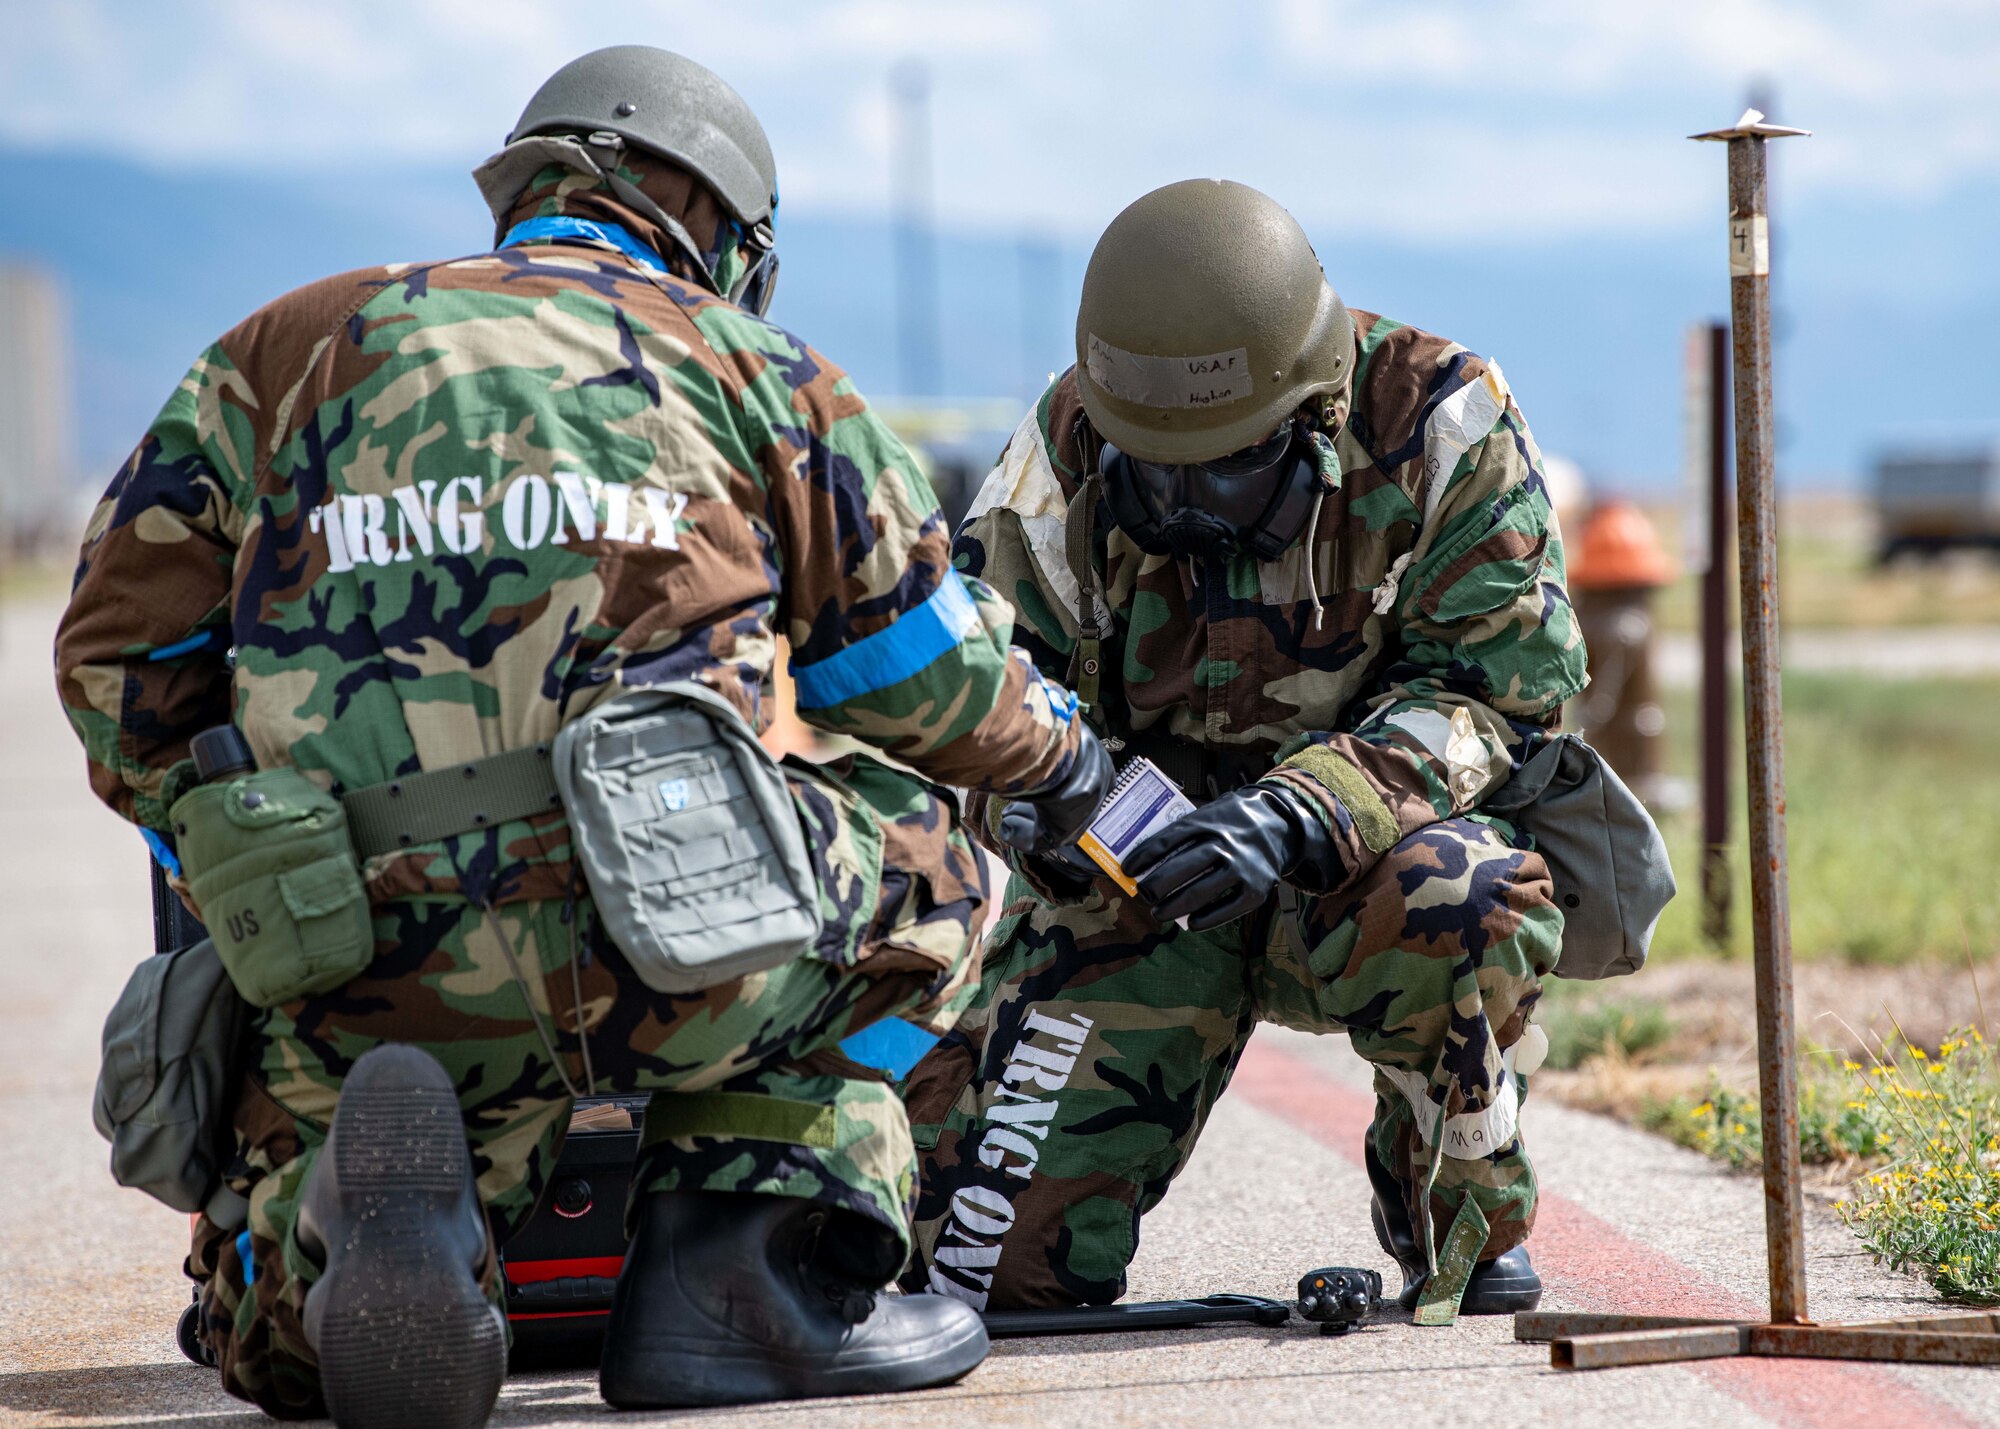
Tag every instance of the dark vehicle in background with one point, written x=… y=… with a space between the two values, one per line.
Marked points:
x=1928 y=501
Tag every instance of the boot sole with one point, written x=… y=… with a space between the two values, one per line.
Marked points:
x=405 y=1338
x=693 y=1374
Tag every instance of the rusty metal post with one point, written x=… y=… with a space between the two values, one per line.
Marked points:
x=1763 y=719
x=1595 y=1341
x=1715 y=662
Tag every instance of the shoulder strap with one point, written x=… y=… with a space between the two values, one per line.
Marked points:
x=1093 y=615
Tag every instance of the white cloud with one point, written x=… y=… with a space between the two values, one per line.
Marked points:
x=1424 y=120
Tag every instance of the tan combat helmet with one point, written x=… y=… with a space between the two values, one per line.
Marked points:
x=1206 y=321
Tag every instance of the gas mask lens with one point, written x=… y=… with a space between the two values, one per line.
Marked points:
x=1253 y=462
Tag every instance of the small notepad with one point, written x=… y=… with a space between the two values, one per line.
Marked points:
x=1140 y=804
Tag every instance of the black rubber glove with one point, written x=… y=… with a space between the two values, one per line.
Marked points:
x=1066 y=870
x=1225 y=859
x=1042 y=823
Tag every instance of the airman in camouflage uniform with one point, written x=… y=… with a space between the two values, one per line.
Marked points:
x=1383 y=673
x=419 y=514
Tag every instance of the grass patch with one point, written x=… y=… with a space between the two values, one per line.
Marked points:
x=1834 y=1126
x=1582 y=1023
x=1893 y=821
x=1921 y=1131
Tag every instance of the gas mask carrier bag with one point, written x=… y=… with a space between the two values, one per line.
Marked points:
x=688 y=837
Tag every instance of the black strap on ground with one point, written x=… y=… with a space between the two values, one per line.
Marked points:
x=1144 y=1315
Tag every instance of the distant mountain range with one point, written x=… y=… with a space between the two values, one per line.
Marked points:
x=1589 y=332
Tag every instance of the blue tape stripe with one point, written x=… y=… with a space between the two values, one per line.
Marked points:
x=891 y=656
x=163 y=852
x=557 y=226
x=182 y=647
x=891 y=1045
x=1061 y=703
x=249 y=1261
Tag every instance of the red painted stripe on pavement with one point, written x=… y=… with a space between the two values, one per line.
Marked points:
x=560 y=1315
x=1594 y=1266
x=532 y=1272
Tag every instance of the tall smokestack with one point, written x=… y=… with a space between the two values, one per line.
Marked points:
x=919 y=344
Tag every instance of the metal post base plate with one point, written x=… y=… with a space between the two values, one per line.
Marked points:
x=1578 y=1341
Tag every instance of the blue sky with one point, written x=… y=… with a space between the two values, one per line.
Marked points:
x=1513 y=174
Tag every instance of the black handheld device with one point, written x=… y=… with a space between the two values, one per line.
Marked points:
x=1339 y=1297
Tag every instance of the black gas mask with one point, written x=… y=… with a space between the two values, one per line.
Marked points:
x=1255 y=500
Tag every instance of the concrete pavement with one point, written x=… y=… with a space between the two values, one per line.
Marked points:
x=92 y=1282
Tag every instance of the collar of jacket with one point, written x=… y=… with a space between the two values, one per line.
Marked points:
x=557 y=227
x=666 y=210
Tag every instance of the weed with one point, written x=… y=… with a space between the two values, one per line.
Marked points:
x=1725 y=1123
x=1589 y=1029
x=1933 y=1208
x=1926 y=1124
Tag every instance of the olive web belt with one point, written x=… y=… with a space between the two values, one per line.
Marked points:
x=458 y=799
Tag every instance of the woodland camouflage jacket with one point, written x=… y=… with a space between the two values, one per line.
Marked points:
x=418 y=514
x=1438 y=651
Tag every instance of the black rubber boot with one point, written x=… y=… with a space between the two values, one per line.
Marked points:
x=732 y=1298
x=406 y=1339
x=1504 y=1285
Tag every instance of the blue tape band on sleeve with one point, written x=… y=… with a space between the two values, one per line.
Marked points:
x=557 y=226
x=891 y=1045
x=888 y=657
x=163 y=852
x=182 y=647
x=249 y=1261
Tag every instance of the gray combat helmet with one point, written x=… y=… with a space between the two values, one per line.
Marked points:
x=667 y=105
x=634 y=96
x=1205 y=322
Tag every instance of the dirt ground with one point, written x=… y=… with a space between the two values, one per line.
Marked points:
x=1842 y=1010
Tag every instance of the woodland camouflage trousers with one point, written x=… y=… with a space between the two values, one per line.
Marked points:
x=902 y=891
x=1074 y=1088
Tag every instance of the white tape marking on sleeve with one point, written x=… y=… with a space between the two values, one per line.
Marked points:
x=1430 y=728
x=1392 y=582
x=1025 y=484
x=1527 y=1055
x=1201 y=381
x=1469 y=1135
x=1750 y=246
x=1467 y=758
x=1455 y=742
x=1461 y=419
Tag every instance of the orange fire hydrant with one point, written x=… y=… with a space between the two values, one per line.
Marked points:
x=1615 y=570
